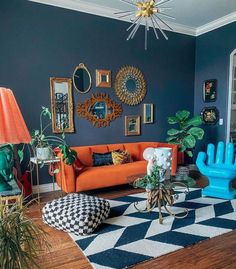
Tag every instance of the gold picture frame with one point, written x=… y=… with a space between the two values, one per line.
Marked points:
x=148 y=111
x=132 y=125
x=61 y=105
x=103 y=78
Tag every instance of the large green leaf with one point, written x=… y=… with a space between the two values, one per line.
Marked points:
x=172 y=132
x=182 y=148
x=182 y=115
x=195 y=121
x=189 y=141
x=171 y=139
x=172 y=120
x=189 y=153
x=197 y=132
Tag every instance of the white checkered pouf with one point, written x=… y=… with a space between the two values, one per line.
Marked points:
x=79 y=214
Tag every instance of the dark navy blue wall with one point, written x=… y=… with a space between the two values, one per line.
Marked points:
x=213 y=51
x=40 y=41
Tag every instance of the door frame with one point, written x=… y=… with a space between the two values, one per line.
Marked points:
x=230 y=94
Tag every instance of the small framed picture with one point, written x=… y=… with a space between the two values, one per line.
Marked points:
x=209 y=90
x=132 y=125
x=148 y=113
x=103 y=78
x=210 y=115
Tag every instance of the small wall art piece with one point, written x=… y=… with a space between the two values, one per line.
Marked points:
x=103 y=78
x=209 y=90
x=132 y=125
x=82 y=79
x=210 y=115
x=148 y=113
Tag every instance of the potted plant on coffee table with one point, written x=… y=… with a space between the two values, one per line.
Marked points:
x=185 y=135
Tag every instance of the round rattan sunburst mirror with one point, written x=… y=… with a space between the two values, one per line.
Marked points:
x=130 y=85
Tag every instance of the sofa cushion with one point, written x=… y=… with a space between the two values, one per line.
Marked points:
x=134 y=150
x=109 y=175
x=100 y=159
x=76 y=213
x=121 y=157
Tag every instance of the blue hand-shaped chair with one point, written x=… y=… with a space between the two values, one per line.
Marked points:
x=220 y=168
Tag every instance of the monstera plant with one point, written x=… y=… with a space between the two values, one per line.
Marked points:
x=187 y=133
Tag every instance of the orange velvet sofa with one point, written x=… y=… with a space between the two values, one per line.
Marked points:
x=90 y=177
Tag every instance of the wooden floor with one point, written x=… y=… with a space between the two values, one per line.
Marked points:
x=216 y=253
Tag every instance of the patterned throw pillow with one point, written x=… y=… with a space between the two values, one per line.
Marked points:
x=100 y=159
x=121 y=157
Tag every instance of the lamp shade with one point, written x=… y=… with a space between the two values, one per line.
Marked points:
x=13 y=129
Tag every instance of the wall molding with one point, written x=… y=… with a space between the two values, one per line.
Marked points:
x=83 y=6
x=45 y=188
x=216 y=24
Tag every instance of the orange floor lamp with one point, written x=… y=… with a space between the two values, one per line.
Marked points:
x=13 y=130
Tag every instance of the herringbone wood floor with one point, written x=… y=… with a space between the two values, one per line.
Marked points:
x=216 y=253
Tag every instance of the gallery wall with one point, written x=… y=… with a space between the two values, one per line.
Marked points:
x=213 y=51
x=40 y=41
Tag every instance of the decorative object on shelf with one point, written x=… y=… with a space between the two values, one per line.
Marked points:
x=209 y=90
x=99 y=109
x=25 y=240
x=210 y=115
x=187 y=134
x=148 y=113
x=220 y=168
x=103 y=78
x=82 y=79
x=61 y=105
x=150 y=13
x=130 y=85
x=44 y=145
x=132 y=125
x=159 y=192
x=13 y=131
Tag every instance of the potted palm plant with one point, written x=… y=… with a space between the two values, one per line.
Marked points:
x=185 y=135
x=21 y=240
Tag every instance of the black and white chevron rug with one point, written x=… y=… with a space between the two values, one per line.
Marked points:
x=128 y=237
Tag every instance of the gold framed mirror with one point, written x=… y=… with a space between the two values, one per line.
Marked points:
x=130 y=85
x=82 y=79
x=99 y=109
x=61 y=105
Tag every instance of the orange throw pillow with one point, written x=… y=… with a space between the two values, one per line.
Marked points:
x=121 y=157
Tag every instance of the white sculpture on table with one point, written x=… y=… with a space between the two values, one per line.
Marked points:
x=161 y=157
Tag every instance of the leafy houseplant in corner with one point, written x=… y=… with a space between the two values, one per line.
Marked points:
x=21 y=240
x=44 y=144
x=187 y=133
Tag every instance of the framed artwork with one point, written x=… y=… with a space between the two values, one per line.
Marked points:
x=209 y=90
x=132 y=125
x=148 y=113
x=103 y=78
x=210 y=115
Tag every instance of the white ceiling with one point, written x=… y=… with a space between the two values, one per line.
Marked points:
x=192 y=17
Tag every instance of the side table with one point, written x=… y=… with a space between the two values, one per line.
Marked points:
x=37 y=162
x=6 y=197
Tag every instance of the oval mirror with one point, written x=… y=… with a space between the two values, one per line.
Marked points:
x=82 y=79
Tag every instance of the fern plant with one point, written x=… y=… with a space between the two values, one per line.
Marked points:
x=21 y=241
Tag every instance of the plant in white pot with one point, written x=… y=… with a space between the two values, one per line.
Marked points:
x=44 y=144
x=185 y=136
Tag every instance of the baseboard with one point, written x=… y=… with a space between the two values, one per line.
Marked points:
x=45 y=188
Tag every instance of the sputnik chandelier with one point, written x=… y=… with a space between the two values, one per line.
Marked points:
x=149 y=13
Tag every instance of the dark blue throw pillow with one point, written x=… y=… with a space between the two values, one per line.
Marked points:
x=100 y=159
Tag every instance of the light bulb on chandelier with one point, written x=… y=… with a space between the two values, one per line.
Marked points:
x=149 y=13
